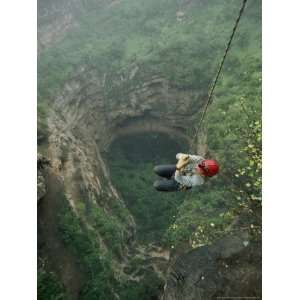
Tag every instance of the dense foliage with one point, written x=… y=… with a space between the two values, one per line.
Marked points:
x=42 y=127
x=96 y=266
x=49 y=286
x=183 y=42
x=233 y=128
x=146 y=289
x=150 y=35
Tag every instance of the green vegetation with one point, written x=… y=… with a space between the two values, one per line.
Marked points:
x=233 y=128
x=113 y=40
x=148 y=34
x=49 y=287
x=42 y=127
x=97 y=267
x=109 y=223
x=146 y=289
x=109 y=228
x=235 y=196
x=101 y=278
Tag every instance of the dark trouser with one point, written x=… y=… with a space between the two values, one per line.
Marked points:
x=169 y=184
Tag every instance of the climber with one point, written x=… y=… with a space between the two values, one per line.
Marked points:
x=189 y=172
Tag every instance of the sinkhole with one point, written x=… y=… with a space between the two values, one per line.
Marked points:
x=131 y=159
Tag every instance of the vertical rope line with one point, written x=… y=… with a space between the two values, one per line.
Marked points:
x=211 y=90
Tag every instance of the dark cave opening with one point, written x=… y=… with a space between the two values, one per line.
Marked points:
x=131 y=159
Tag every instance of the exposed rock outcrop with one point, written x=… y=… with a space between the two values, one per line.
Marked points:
x=55 y=18
x=84 y=119
x=231 y=267
x=42 y=164
x=148 y=105
x=41 y=186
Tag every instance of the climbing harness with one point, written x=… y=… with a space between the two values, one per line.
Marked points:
x=212 y=88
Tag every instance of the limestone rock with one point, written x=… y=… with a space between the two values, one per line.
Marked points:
x=42 y=164
x=227 y=268
x=41 y=186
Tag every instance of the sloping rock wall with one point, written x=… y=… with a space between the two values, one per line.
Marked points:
x=229 y=268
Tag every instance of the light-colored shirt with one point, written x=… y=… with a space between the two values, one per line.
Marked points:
x=188 y=175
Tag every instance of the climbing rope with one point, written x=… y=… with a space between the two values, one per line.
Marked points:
x=211 y=90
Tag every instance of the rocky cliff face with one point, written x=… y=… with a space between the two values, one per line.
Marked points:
x=84 y=120
x=55 y=18
x=43 y=164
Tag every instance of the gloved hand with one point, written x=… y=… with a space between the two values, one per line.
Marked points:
x=182 y=162
x=180 y=155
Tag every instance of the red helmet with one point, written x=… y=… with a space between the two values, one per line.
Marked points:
x=209 y=167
